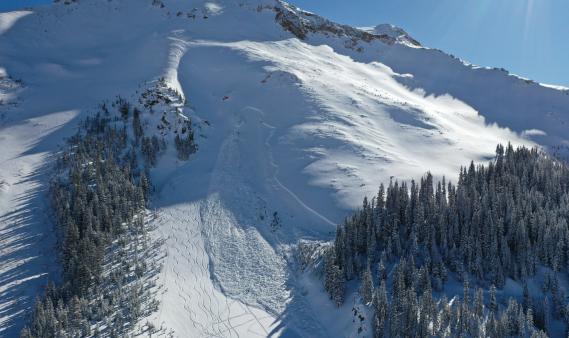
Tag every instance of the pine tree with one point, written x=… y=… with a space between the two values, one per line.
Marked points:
x=137 y=124
x=381 y=269
x=381 y=307
x=334 y=280
x=479 y=303
x=527 y=302
x=493 y=304
x=366 y=289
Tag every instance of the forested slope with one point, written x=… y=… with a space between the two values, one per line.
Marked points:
x=504 y=221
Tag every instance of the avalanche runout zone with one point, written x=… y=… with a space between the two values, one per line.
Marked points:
x=213 y=255
x=186 y=272
x=208 y=312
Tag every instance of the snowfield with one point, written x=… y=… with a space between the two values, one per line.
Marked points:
x=293 y=134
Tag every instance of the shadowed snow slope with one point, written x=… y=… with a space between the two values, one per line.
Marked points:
x=304 y=118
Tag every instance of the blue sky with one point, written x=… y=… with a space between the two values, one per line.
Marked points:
x=527 y=37
x=8 y=5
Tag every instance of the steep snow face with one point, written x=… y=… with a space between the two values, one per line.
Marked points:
x=361 y=125
x=301 y=119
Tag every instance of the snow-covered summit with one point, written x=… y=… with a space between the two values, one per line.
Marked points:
x=397 y=33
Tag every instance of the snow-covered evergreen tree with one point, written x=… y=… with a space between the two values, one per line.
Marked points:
x=499 y=221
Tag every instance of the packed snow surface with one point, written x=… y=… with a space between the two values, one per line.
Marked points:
x=295 y=134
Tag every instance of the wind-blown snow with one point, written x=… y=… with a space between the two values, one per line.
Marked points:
x=305 y=129
x=7 y=20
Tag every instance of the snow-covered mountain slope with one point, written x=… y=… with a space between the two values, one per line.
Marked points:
x=301 y=117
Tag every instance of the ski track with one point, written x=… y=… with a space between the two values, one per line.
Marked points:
x=275 y=175
x=186 y=273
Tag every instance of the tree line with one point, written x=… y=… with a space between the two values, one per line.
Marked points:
x=506 y=219
x=99 y=194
